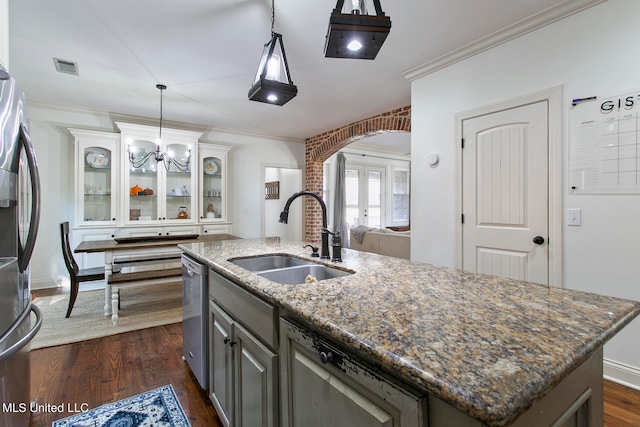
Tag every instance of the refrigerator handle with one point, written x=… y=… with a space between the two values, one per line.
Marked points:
x=24 y=254
x=24 y=340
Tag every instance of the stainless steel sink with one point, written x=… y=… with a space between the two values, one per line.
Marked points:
x=268 y=262
x=287 y=269
x=298 y=275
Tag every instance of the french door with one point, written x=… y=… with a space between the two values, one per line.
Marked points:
x=365 y=195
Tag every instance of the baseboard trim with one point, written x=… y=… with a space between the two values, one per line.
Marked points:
x=45 y=284
x=628 y=376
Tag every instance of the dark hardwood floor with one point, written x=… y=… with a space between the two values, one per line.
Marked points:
x=103 y=370
x=107 y=369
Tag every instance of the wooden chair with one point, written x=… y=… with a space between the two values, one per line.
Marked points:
x=75 y=274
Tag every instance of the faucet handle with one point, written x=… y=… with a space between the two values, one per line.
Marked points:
x=314 y=250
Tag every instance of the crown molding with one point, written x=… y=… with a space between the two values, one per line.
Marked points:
x=524 y=26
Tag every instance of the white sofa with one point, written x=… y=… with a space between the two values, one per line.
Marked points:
x=384 y=242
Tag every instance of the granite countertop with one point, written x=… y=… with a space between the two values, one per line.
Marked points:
x=486 y=345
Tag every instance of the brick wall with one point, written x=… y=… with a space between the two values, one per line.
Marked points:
x=320 y=147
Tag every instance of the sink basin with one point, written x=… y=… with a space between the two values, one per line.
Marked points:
x=287 y=269
x=268 y=262
x=298 y=274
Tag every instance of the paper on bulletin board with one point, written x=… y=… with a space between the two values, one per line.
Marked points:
x=605 y=145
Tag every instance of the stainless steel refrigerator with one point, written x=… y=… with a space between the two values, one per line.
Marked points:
x=19 y=218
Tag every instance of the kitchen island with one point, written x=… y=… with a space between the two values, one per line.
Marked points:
x=489 y=347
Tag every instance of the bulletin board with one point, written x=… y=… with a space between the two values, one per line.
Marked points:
x=604 y=144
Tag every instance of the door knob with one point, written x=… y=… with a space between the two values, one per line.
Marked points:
x=538 y=240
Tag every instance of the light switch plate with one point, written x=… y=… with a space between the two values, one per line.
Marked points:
x=574 y=217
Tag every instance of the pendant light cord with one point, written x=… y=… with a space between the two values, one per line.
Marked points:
x=273 y=15
x=161 y=90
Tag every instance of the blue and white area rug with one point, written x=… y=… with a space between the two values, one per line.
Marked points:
x=155 y=408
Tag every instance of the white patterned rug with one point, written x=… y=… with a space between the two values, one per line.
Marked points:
x=157 y=408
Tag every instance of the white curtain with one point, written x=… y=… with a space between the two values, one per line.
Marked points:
x=339 y=203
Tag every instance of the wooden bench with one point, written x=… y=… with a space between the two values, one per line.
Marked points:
x=139 y=271
x=121 y=253
x=140 y=276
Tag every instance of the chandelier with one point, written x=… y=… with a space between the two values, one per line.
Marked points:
x=157 y=155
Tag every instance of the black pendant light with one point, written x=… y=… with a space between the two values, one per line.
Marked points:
x=273 y=84
x=356 y=34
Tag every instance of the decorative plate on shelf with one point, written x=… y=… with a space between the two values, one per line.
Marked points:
x=97 y=160
x=210 y=167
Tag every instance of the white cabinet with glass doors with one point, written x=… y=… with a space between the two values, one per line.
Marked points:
x=96 y=177
x=158 y=192
x=212 y=183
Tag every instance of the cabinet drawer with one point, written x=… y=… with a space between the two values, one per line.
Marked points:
x=253 y=313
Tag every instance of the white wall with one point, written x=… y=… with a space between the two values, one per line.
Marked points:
x=591 y=53
x=54 y=151
x=290 y=183
x=248 y=157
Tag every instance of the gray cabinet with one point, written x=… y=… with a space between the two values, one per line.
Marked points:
x=322 y=385
x=221 y=363
x=243 y=376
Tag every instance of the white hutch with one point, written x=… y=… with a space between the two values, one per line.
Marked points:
x=116 y=198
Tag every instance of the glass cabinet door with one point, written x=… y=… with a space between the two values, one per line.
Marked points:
x=212 y=179
x=179 y=183
x=212 y=188
x=97 y=184
x=95 y=177
x=143 y=182
x=160 y=189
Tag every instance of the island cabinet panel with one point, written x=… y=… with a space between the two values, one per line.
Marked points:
x=243 y=376
x=221 y=363
x=257 y=382
x=322 y=385
x=575 y=402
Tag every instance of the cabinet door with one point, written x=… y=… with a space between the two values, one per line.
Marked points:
x=179 y=197
x=162 y=187
x=221 y=341
x=91 y=260
x=216 y=229
x=141 y=182
x=212 y=183
x=324 y=386
x=256 y=382
x=96 y=170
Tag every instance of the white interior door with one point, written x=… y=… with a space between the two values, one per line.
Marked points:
x=505 y=193
x=365 y=195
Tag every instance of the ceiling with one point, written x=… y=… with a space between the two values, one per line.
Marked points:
x=207 y=52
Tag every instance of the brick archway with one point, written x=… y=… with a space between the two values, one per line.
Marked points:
x=320 y=147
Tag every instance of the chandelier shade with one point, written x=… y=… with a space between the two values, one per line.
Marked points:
x=273 y=83
x=353 y=33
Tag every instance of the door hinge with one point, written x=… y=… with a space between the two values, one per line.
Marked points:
x=462 y=218
x=462 y=142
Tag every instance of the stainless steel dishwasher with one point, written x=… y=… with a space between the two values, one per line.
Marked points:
x=195 y=332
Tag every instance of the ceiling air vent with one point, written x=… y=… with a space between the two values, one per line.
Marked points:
x=67 y=67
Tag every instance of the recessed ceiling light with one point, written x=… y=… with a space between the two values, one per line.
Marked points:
x=66 y=67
